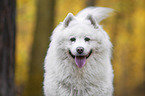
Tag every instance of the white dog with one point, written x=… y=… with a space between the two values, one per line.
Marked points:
x=78 y=61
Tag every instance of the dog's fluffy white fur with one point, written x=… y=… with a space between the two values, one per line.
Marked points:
x=64 y=74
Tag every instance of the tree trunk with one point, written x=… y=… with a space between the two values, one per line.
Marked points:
x=90 y=2
x=7 y=47
x=44 y=27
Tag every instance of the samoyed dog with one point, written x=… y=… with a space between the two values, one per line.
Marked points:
x=78 y=61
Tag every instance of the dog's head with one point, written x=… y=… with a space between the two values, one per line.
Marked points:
x=81 y=38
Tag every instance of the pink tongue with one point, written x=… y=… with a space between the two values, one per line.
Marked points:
x=80 y=61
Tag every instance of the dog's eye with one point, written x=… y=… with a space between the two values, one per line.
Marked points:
x=73 y=39
x=87 y=39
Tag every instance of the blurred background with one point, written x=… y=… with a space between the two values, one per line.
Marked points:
x=36 y=19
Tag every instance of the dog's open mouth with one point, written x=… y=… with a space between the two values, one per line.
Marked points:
x=80 y=60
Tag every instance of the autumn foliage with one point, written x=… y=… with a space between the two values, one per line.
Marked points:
x=126 y=28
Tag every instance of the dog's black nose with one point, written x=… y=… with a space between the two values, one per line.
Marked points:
x=80 y=50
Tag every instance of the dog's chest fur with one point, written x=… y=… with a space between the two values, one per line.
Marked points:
x=82 y=82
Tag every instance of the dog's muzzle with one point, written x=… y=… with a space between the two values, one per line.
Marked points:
x=80 y=59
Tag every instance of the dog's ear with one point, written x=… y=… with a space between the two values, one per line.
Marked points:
x=92 y=20
x=68 y=19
